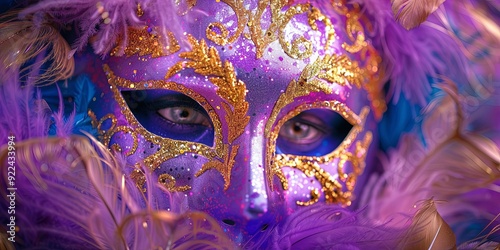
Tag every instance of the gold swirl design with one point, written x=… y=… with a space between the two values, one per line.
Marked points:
x=168 y=182
x=169 y=148
x=275 y=31
x=107 y=134
x=222 y=37
x=299 y=48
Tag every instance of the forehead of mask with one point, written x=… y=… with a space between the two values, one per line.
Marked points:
x=266 y=77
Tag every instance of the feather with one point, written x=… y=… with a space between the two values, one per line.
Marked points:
x=63 y=125
x=100 y=23
x=429 y=231
x=412 y=59
x=411 y=13
x=456 y=166
x=33 y=48
x=21 y=114
x=73 y=194
x=473 y=26
x=5 y=244
x=332 y=227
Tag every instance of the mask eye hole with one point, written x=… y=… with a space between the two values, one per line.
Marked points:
x=171 y=114
x=315 y=132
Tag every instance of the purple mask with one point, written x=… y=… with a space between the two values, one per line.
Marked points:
x=250 y=109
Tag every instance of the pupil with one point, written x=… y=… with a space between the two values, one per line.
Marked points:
x=184 y=114
x=297 y=127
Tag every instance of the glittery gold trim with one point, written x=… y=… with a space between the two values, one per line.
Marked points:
x=168 y=182
x=316 y=77
x=335 y=190
x=224 y=167
x=306 y=84
x=206 y=61
x=146 y=41
x=275 y=31
x=107 y=134
x=222 y=38
x=299 y=48
x=335 y=69
x=140 y=180
x=140 y=11
x=314 y=198
x=364 y=50
x=169 y=148
x=367 y=73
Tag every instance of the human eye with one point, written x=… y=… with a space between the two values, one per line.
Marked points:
x=184 y=115
x=171 y=115
x=312 y=133
x=303 y=130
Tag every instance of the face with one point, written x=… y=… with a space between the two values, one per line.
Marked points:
x=250 y=110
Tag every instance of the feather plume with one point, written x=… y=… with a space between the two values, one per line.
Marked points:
x=4 y=242
x=412 y=59
x=75 y=195
x=33 y=49
x=411 y=13
x=428 y=230
x=101 y=22
x=64 y=125
x=21 y=114
x=333 y=227
x=474 y=27
x=456 y=166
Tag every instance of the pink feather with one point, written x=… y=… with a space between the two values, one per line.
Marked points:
x=411 y=13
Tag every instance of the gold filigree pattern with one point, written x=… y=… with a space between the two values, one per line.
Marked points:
x=224 y=166
x=301 y=47
x=314 y=198
x=335 y=190
x=113 y=130
x=168 y=182
x=139 y=178
x=222 y=37
x=146 y=41
x=306 y=85
x=206 y=61
x=275 y=31
x=337 y=69
x=364 y=50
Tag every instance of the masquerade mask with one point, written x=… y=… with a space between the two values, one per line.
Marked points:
x=251 y=109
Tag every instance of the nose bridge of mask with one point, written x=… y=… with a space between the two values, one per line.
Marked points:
x=257 y=190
